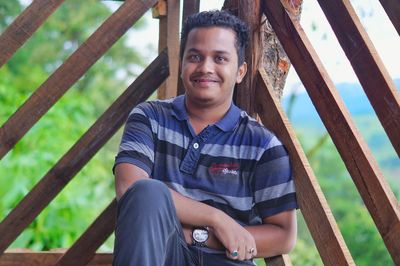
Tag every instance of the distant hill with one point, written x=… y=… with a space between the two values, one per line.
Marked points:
x=353 y=95
x=304 y=118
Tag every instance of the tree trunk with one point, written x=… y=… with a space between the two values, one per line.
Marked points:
x=274 y=59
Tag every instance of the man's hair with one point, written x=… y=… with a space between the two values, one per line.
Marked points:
x=217 y=18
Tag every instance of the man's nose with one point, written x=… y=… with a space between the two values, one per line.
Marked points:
x=206 y=66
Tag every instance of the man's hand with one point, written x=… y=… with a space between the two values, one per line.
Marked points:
x=239 y=243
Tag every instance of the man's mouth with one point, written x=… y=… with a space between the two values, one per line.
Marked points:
x=204 y=80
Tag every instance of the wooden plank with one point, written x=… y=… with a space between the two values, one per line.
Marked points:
x=374 y=190
x=313 y=205
x=190 y=7
x=84 y=249
x=367 y=65
x=47 y=259
x=160 y=9
x=250 y=12
x=282 y=260
x=24 y=26
x=169 y=37
x=392 y=8
x=69 y=72
x=87 y=146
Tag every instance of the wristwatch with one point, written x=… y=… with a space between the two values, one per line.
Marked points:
x=200 y=236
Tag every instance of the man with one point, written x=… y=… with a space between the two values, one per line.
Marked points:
x=198 y=181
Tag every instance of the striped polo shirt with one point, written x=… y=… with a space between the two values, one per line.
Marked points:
x=235 y=165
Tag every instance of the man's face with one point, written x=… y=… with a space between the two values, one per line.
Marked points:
x=210 y=66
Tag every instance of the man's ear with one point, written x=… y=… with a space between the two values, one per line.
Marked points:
x=241 y=72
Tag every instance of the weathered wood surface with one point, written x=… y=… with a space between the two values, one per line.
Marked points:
x=374 y=190
x=392 y=8
x=47 y=259
x=313 y=205
x=69 y=72
x=250 y=12
x=84 y=249
x=169 y=37
x=22 y=28
x=83 y=150
x=369 y=68
x=190 y=7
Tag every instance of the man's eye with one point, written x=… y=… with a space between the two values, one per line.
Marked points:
x=194 y=57
x=220 y=59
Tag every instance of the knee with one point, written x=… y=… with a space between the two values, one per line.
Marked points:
x=146 y=192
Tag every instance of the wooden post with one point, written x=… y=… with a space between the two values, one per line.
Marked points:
x=189 y=7
x=250 y=12
x=168 y=15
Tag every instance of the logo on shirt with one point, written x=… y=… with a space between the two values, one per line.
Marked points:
x=224 y=169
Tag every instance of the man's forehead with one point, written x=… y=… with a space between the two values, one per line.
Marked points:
x=221 y=38
x=194 y=50
x=216 y=29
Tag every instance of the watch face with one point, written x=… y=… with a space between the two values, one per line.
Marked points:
x=200 y=235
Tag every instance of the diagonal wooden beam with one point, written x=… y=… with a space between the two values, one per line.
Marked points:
x=372 y=186
x=313 y=205
x=24 y=26
x=69 y=72
x=369 y=68
x=83 y=150
x=84 y=249
x=392 y=8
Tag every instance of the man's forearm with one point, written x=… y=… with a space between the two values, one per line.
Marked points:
x=192 y=212
x=271 y=240
x=189 y=211
x=277 y=235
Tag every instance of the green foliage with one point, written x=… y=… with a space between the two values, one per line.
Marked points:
x=355 y=223
x=61 y=223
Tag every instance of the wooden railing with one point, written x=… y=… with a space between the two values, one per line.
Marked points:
x=256 y=96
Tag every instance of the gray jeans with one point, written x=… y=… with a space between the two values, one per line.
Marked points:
x=148 y=232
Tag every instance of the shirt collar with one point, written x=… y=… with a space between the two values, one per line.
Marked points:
x=227 y=123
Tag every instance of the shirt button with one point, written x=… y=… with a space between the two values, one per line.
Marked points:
x=196 y=145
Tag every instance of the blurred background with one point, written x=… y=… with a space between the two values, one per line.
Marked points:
x=61 y=223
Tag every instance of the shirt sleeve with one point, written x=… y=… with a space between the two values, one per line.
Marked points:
x=274 y=190
x=137 y=143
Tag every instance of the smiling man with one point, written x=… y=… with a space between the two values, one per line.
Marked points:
x=198 y=181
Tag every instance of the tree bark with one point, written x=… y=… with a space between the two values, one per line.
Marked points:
x=274 y=59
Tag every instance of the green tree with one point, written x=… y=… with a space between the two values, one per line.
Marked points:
x=92 y=189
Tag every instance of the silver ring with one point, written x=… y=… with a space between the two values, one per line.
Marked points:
x=251 y=251
x=234 y=253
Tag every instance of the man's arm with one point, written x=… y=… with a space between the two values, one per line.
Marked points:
x=193 y=213
x=277 y=235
